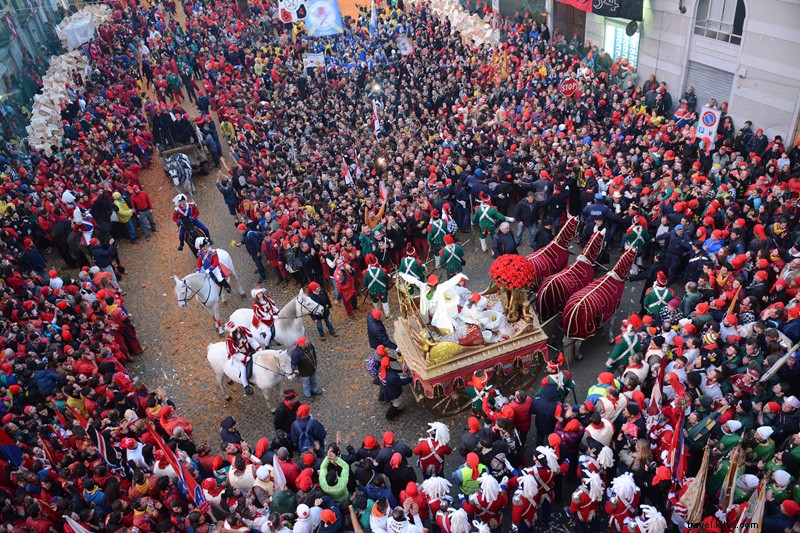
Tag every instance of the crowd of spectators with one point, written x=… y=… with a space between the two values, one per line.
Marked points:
x=358 y=158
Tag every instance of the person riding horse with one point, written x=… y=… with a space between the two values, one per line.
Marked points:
x=264 y=310
x=241 y=347
x=208 y=260
x=186 y=213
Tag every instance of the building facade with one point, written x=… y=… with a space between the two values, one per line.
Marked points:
x=743 y=52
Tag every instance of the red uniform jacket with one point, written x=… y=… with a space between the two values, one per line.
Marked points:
x=582 y=506
x=619 y=511
x=524 y=509
x=431 y=456
x=488 y=513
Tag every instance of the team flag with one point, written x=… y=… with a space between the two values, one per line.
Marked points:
x=348 y=177
x=373 y=21
x=189 y=482
x=375 y=120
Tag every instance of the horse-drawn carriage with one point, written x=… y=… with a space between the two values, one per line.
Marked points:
x=442 y=369
x=183 y=156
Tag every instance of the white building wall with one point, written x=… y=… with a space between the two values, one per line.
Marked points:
x=766 y=66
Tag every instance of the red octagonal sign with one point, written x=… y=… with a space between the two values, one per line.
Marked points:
x=569 y=87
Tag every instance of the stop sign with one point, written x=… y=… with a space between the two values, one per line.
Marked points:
x=568 y=87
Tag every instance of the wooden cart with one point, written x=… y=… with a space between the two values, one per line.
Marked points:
x=440 y=383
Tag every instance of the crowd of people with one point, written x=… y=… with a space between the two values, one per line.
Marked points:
x=382 y=161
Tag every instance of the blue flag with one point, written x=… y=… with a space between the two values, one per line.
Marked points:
x=324 y=18
x=373 y=20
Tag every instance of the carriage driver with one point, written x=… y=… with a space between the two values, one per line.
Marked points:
x=185 y=209
x=264 y=310
x=241 y=348
x=208 y=260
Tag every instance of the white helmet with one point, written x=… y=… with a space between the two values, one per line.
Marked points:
x=179 y=198
x=200 y=242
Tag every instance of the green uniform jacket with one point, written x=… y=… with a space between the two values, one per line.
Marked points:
x=436 y=234
x=376 y=280
x=453 y=258
x=487 y=217
x=411 y=266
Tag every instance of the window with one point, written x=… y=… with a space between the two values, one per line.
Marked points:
x=619 y=45
x=722 y=20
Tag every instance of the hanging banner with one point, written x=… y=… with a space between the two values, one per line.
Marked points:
x=291 y=10
x=496 y=6
x=404 y=46
x=620 y=9
x=324 y=18
x=314 y=60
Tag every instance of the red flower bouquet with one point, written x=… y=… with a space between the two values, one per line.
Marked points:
x=511 y=272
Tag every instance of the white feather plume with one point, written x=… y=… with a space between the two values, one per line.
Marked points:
x=624 y=486
x=436 y=487
x=530 y=487
x=490 y=488
x=441 y=433
x=551 y=457
x=459 y=520
x=480 y=527
x=606 y=457
x=595 y=486
x=651 y=521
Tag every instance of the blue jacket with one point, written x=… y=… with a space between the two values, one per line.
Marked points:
x=315 y=430
x=252 y=241
x=376 y=332
x=103 y=255
x=377 y=493
x=228 y=194
x=48 y=381
x=393 y=384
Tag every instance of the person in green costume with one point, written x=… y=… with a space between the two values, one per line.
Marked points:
x=436 y=234
x=452 y=256
x=487 y=217
x=411 y=266
x=626 y=344
x=376 y=281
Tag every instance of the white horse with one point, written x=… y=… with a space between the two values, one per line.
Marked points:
x=270 y=367
x=200 y=285
x=288 y=324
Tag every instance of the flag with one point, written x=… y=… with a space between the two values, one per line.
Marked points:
x=189 y=482
x=324 y=18
x=348 y=177
x=752 y=516
x=76 y=527
x=78 y=416
x=695 y=495
x=627 y=9
x=48 y=451
x=404 y=46
x=358 y=166
x=106 y=448
x=9 y=449
x=376 y=122
x=60 y=416
x=382 y=190
x=373 y=20
x=57 y=433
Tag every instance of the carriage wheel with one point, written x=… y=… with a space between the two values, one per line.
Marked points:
x=521 y=378
x=448 y=405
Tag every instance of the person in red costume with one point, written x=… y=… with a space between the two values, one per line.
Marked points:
x=585 y=503
x=436 y=491
x=524 y=503
x=623 y=502
x=433 y=449
x=453 y=521
x=488 y=504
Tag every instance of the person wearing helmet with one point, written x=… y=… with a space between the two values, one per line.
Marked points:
x=186 y=210
x=241 y=347
x=208 y=260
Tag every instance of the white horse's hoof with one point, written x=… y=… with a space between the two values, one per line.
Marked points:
x=227 y=399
